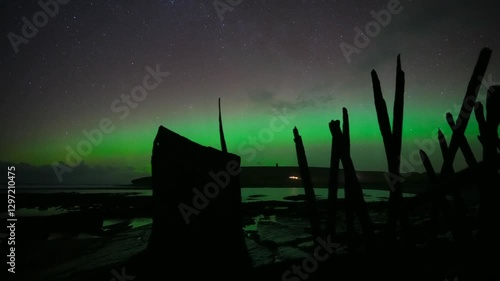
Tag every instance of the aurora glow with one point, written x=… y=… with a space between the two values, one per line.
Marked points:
x=263 y=56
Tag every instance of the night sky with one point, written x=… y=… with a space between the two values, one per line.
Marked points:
x=274 y=64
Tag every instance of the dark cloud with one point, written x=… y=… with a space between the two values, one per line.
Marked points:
x=261 y=97
x=317 y=97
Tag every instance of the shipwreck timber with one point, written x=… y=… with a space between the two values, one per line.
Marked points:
x=197 y=202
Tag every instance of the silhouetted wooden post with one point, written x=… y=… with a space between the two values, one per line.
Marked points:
x=353 y=187
x=353 y=192
x=479 y=111
x=392 y=144
x=197 y=207
x=307 y=182
x=348 y=198
x=333 y=184
x=490 y=178
x=458 y=138
x=221 y=132
x=398 y=110
x=433 y=180
x=439 y=201
x=440 y=188
x=458 y=135
x=464 y=145
x=466 y=110
x=431 y=174
x=469 y=159
x=454 y=222
x=443 y=145
x=481 y=121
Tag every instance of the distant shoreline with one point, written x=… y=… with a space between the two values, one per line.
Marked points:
x=262 y=177
x=288 y=177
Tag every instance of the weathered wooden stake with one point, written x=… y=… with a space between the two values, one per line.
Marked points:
x=308 y=186
x=221 y=132
x=333 y=184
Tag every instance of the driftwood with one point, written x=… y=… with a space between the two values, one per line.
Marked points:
x=308 y=186
x=490 y=179
x=333 y=184
x=464 y=144
x=458 y=140
x=392 y=144
x=355 y=203
x=466 y=109
x=443 y=145
x=221 y=132
x=197 y=202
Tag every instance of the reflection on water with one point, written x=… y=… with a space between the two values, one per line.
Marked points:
x=258 y=219
x=109 y=224
x=289 y=194
x=36 y=212
x=248 y=195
